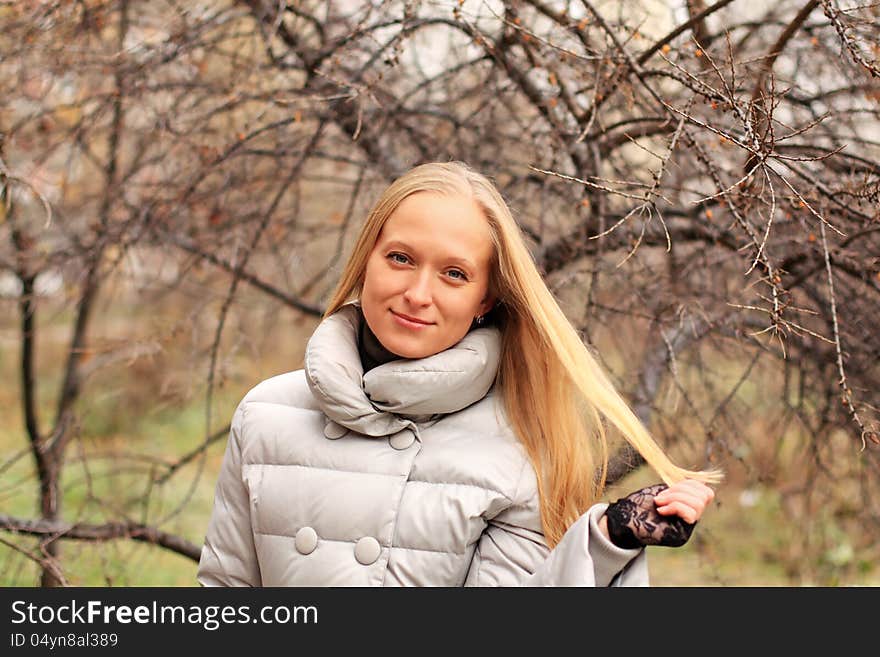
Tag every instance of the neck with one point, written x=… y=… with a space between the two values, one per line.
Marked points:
x=372 y=352
x=398 y=394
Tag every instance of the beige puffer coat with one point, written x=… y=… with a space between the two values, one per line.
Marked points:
x=407 y=475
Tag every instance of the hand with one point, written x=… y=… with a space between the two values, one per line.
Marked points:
x=657 y=515
x=687 y=499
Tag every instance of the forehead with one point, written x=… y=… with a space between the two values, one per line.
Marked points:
x=447 y=225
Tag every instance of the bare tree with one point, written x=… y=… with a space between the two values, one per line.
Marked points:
x=699 y=183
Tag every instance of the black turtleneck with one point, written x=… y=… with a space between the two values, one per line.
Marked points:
x=372 y=352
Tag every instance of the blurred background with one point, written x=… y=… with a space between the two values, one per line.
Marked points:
x=181 y=182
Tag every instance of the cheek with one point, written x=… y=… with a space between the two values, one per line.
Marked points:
x=459 y=308
x=381 y=279
x=372 y=277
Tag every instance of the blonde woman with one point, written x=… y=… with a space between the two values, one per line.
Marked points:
x=447 y=427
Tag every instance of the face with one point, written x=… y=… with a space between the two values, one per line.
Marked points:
x=431 y=263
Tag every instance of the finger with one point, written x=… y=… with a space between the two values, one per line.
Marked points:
x=685 y=497
x=683 y=511
x=687 y=514
x=692 y=485
x=688 y=487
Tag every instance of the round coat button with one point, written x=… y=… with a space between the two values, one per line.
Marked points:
x=306 y=540
x=367 y=550
x=402 y=439
x=334 y=430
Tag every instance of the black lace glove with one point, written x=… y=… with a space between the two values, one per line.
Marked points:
x=633 y=521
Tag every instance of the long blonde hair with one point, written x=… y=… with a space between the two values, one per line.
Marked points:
x=554 y=392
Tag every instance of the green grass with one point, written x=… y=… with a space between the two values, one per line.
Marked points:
x=114 y=482
x=133 y=418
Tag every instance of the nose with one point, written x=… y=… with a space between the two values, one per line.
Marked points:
x=418 y=292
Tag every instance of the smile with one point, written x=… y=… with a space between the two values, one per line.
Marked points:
x=408 y=323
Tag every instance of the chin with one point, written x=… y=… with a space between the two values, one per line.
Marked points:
x=411 y=352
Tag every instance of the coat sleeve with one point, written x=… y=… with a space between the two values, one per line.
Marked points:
x=229 y=557
x=512 y=552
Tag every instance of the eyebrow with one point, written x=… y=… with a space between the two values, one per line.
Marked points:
x=463 y=261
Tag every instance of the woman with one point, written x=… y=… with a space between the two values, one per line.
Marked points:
x=442 y=380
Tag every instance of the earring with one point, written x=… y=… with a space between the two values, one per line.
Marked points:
x=480 y=320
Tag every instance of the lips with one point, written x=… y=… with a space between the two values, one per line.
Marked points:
x=412 y=319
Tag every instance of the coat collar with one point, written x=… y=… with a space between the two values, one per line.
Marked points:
x=396 y=394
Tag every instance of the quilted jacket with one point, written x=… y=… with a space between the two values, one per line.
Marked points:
x=408 y=475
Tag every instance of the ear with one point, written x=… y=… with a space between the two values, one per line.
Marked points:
x=487 y=304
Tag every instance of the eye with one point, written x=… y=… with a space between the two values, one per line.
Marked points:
x=391 y=256
x=463 y=276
